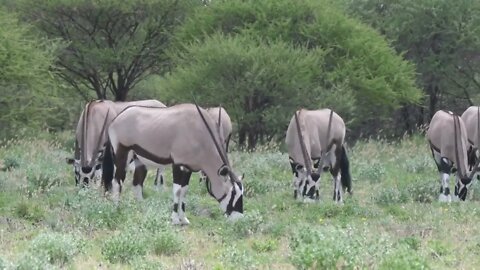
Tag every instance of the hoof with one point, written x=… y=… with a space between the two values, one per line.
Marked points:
x=176 y=220
x=444 y=198
x=308 y=200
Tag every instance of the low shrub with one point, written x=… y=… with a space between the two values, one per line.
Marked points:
x=124 y=247
x=56 y=248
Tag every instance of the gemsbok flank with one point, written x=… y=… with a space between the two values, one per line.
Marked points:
x=471 y=118
x=90 y=138
x=317 y=136
x=448 y=141
x=183 y=135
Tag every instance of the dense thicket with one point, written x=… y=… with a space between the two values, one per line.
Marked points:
x=25 y=78
x=266 y=59
x=442 y=38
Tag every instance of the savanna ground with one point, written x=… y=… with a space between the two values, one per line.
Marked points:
x=392 y=221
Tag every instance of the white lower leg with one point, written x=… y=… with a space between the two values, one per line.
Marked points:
x=116 y=187
x=338 y=188
x=181 y=206
x=176 y=198
x=138 y=192
x=445 y=195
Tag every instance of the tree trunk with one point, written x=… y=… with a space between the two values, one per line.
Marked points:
x=121 y=94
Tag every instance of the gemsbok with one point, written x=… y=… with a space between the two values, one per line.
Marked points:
x=448 y=141
x=317 y=136
x=183 y=135
x=90 y=137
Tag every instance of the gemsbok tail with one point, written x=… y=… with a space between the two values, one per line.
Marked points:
x=345 y=171
x=108 y=167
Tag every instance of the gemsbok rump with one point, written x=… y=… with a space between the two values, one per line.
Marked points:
x=317 y=136
x=448 y=141
x=90 y=137
x=471 y=118
x=183 y=135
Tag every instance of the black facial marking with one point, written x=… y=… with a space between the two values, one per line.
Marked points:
x=86 y=170
x=315 y=176
x=175 y=207
x=98 y=166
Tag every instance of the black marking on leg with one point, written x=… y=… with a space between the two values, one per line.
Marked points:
x=444 y=166
x=447 y=191
x=456 y=190
x=441 y=190
x=295 y=194
x=175 y=207
x=183 y=207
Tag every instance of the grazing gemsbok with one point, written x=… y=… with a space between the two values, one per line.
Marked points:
x=183 y=135
x=317 y=136
x=448 y=141
x=471 y=118
x=90 y=137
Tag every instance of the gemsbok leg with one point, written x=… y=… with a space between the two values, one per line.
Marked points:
x=444 y=167
x=181 y=178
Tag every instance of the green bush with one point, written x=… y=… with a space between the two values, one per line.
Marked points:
x=248 y=225
x=424 y=191
x=167 y=243
x=10 y=163
x=404 y=258
x=124 y=247
x=30 y=261
x=29 y=210
x=387 y=196
x=265 y=245
x=234 y=257
x=56 y=248
x=374 y=173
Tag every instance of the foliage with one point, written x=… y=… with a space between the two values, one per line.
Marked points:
x=111 y=45
x=166 y=242
x=342 y=63
x=25 y=78
x=57 y=248
x=124 y=247
x=441 y=38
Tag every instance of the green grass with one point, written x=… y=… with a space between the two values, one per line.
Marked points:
x=392 y=221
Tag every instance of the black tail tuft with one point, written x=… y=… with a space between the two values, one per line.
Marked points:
x=345 y=170
x=107 y=165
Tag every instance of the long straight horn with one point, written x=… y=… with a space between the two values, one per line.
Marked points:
x=456 y=129
x=83 y=158
x=99 y=142
x=306 y=158
x=329 y=128
x=220 y=150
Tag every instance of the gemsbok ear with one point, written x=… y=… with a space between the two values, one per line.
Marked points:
x=70 y=160
x=223 y=171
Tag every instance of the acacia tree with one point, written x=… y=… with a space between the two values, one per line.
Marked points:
x=111 y=45
x=441 y=38
x=355 y=64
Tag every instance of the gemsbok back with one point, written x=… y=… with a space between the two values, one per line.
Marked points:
x=317 y=137
x=448 y=141
x=183 y=135
x=90 y=137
